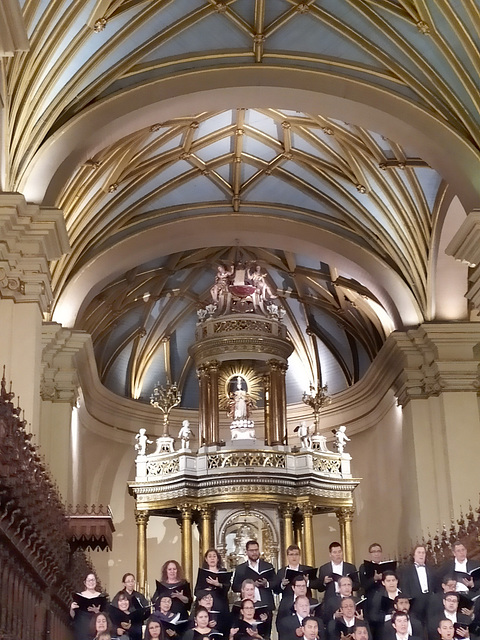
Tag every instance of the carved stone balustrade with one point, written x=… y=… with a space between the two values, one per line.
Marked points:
x=269 y=475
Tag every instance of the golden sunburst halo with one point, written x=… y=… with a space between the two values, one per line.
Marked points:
x=228 y=373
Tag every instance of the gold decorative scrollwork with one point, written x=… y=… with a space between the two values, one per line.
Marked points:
x=226 y=326
x=325 y=465
x=162 y=467
x=247 y=459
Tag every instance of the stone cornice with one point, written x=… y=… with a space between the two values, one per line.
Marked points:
x=30 y=237
x=419 y=363
x=59 y=378
x=465 y=248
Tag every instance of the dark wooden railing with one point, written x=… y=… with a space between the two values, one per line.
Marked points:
x=38 y=571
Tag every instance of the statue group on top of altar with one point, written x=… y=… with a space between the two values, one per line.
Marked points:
x=241 y=288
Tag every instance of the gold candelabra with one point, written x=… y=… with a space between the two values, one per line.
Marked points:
x=165 y=398
x=317 y=399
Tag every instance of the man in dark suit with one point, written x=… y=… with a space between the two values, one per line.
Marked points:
x=291 y=626
x=299 y=589
x=414 y=626
x=446 y=630
x=400 y=626
x=450 y=612
x=333 y=604
x=280 y=584
x=259 y=570
x=344 y=622
x=336 y=567
x=417 y=581
x=460 y=563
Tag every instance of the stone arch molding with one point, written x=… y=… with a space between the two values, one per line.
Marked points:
x=248 y=230
x=309 y=91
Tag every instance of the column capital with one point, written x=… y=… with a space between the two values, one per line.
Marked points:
x=286 y=510
x=465 y=248
x=435 y=358
x=277 y=365
x=141 y=517
x=59 y=378
x=186 y=509
x=345 y=514
x=212 y=365
x=307 y=509
x=32 y=236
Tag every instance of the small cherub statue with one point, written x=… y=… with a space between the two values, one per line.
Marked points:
x=341 y=438
x=304 y=433
x=141 y=445
x=185 y=434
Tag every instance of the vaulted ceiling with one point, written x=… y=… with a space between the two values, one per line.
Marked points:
x=327 y=139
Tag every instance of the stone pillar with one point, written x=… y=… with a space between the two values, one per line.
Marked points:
x=437 y=389
x=187 y=562
x=203 y=420
x=214 y=434
x=141 y=519
x=206 y=528
x=278 y=403
x=309 y=547
x=59 y=392
x=287 y=512
x=345 y=517
x=31 y=237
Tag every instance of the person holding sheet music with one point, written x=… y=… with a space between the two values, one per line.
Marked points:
x=343 y=623
x=202 y=628
x=370 y=574
x=282 y=582
x=332 y=605
x=218 y=620
x=260 y=571
x=137 y=602
x=299 y=589
x=173 y=583
x=383 y=602
x=248 y=626
x=215 y=578
x=451 y=611
x=119 y=615
x=85 y=606
x=461 y=567
x=291 y=626
x=329 y=573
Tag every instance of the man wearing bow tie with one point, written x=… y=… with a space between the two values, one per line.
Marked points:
x=417 y=582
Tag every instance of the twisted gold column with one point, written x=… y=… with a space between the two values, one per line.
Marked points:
x=141 y=520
